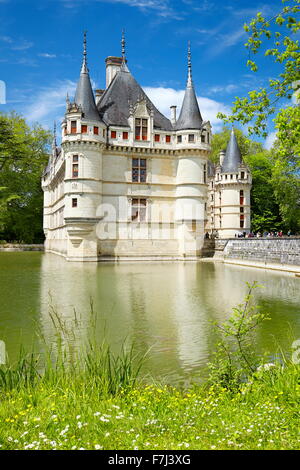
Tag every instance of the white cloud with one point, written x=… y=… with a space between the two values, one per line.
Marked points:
x=226 y=40
x=161 y=7
x=46 y=55
x=6 y=38
x=222 y=89
x=163 y=98
x=49 y=103
x=22 y=45
x=270 y=140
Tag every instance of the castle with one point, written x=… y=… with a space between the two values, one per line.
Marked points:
x=128 y=183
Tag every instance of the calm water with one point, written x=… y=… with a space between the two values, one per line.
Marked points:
x=166 y=307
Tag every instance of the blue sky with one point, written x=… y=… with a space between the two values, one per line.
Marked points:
x=41 y=50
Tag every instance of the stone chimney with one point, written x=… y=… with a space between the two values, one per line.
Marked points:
x=113 y=65
x=98 y=94
x=173 y=114
x=222 y=156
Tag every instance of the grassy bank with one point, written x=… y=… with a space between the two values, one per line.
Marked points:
x=74 y=411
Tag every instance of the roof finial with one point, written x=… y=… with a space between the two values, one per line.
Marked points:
x=123 y=45
x=54 y=133
x=84 y=68
x=189 y=81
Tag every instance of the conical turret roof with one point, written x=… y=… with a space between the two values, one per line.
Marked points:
x=233 y=158
x=84 y=96
x=190 y=116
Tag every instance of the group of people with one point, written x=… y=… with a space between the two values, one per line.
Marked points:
x=265 y=234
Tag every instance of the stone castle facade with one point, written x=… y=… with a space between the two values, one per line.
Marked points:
x=129 y=183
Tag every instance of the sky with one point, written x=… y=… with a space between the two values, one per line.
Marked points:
x=41 y=51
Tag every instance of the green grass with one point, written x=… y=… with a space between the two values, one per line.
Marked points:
x=73 y=410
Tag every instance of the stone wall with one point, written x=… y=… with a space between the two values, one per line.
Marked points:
x=20 y=247
x=277 y=251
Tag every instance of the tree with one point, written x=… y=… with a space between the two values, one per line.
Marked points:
x=277 y=37
x=23 y=155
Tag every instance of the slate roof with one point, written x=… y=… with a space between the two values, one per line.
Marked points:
x=233 y=158
x=124 y=91
x=190 y=116
x=84 y=96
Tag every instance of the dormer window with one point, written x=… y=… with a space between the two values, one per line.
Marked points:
x=168 y=139
x=203 y=138
x=179 y=139
x=125 y=135
x=191 y=137
x=156 y=137
x=96 y=130
x=141 y=129
x=113 y=134
x=83 y=129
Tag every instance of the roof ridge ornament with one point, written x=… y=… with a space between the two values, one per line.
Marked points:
x=123 y=43
x=189 y=57
x=54 y=144
x=84 y=68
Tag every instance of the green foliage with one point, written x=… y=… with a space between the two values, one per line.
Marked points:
x=23 y=156
x=235 y=361
x=278 y=38
x=281 y=31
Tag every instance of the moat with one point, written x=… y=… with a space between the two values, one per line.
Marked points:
x=166 y=307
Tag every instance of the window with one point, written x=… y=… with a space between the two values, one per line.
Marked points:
x=125 y=135
x=73 y=127
x=139 y=170
x=84 y=129
x=208 y=137
x=141 y=129
x=96 y=130
x=103 y=132
x=241 y=210
x=75 y=170
x=179 y=139
x=156 y=137
x=113 y=134
x=138 y=210
x=202 y=138
x=191 y=138
x=74 y=202
x=168 y=139
x=241 y=197
x=204 y=173
x=212 y=197
x=241 y=224
x=242 y=175
x=75 y=158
